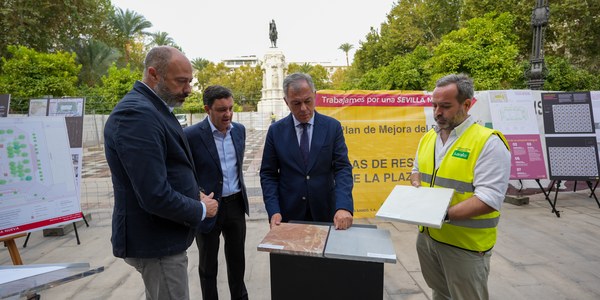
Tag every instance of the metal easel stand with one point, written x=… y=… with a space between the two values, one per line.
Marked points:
x=557 y=182
x=74 y=229
x=547 y=194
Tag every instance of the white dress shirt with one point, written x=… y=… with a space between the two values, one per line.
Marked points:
x=492 y=168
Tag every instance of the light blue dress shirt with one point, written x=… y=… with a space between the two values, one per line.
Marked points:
x=229 y=167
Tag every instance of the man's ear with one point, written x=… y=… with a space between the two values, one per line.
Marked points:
x=153 y=73
x=467 y=104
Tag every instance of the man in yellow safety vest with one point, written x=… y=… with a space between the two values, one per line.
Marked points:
x=475 y=162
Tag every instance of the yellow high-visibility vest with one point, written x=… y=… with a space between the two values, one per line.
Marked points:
x=456 y=172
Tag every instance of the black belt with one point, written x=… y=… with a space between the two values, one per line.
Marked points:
x=233 y=197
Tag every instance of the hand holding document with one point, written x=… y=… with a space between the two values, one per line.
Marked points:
x=422 y=206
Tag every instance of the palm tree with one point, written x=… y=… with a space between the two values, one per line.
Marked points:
x=305 y=68
x=346 y=47
x=95 y=58
x=199 y=63
x=128 y=25
x=161 y=38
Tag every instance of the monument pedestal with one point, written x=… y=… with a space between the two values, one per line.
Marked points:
x=272 y=92
x=278 y=107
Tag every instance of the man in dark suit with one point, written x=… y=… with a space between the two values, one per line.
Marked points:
x=218 y=146
x=157 y=210
x=305 y=172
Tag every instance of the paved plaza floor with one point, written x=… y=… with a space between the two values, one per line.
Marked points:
x=537 y=255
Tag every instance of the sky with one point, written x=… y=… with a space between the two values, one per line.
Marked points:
x=308 y=30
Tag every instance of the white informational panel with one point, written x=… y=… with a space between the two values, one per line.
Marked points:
x=9 y=275
x=72 y=110
x=513 y=114
x=37 y=184
x=38 y=107
x=422 y=206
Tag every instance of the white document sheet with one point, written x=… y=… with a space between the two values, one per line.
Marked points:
x=20 y=273
x=422 y=206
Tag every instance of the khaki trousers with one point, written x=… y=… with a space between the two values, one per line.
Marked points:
x=451 y=272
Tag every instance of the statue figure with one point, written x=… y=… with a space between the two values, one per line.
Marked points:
x=273 y=34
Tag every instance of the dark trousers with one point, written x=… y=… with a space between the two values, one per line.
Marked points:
x=231 y=222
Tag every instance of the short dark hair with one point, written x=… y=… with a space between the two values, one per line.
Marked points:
x=464 y=85
x=293 y=79
x=158 y=58
x=214 y=92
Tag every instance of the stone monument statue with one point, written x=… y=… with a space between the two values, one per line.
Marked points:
x=273 y=67
x=273 y=34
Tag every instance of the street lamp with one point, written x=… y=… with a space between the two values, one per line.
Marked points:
x=539 y=21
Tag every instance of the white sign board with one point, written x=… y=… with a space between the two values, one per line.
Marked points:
x=37 y=184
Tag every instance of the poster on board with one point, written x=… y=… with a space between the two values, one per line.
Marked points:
x=72 y=109
x=38 y=107
x=4 y=105
x=37 y=184
x=513 y=114
x=570 y=136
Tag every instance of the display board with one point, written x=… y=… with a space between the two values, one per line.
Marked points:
x=37 y=186
x=4 y=105
x=513 y=114
x=595 y=98
x=38 y=107
x=570 y=136
x=72 y=110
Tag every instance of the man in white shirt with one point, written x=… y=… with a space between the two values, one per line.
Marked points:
x=475 y=162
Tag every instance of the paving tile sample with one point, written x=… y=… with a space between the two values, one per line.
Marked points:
x=422 y=206
x=296 y=239
x=361 y=244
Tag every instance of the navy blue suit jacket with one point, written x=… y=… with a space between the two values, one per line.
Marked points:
x=325 y=183
x=208 y=165
x=157 y=208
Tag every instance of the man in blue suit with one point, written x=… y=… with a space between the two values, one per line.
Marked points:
x=157 y=208
x=305 y=172
x=218 y=146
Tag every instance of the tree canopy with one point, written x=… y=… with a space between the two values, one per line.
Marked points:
x=31 y=74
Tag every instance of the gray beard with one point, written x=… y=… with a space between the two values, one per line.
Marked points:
x=172 y=99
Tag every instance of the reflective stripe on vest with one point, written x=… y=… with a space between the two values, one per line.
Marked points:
x=475 y=234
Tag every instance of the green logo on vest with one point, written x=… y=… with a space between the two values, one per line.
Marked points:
x=461 y=154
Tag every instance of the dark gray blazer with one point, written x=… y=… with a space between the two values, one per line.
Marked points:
x=208 y=165
x=157 y=209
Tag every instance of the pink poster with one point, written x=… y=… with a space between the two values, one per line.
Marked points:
x=513 y=114
x=527 y=158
